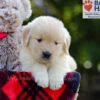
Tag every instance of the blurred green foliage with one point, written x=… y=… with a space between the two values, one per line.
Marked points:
x=85 y=32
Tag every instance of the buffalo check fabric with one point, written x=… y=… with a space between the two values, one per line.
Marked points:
x=21 y=86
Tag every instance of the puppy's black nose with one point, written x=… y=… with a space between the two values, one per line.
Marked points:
x=46 y=55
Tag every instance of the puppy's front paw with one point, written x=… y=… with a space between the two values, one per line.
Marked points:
x=56 y=82
x=42 y=80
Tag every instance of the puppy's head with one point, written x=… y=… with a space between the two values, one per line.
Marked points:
x=46 y=38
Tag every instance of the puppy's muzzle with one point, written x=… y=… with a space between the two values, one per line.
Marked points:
x=46 y=55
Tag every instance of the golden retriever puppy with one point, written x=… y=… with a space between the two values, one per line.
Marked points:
x=45 y=52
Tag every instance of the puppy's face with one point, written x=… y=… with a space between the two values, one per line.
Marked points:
x=45 y=48
x=44 y=44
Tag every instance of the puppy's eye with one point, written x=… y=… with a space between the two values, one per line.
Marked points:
x=39 y=40
x=56 y=43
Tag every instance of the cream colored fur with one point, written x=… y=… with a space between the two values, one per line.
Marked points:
x=55 y=39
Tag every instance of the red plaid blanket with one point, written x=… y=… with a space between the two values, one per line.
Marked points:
x=21 y=86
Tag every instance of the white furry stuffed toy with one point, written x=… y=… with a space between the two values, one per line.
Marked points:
x=12 y=15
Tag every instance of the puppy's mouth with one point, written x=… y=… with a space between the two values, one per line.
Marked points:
x=45 y=58
x=42 y=61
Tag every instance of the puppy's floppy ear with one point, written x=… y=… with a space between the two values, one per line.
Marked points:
x=67 y=41
x=27 y=8
x=26 y=34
